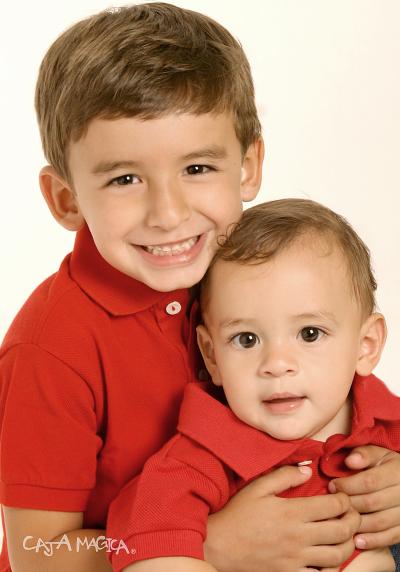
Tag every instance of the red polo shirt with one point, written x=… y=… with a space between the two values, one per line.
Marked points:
x=92 y=373
x=164 y=511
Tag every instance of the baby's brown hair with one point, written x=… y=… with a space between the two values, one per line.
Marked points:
x=144 y=61
x=267 y=229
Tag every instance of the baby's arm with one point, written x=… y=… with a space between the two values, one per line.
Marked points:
x=27 y=528
x=376 y=560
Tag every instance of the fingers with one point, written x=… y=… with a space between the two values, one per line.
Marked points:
x=376 y=501
x=279 y=480
x=321 y=508
x=330 y=556
x=379 y=477
x=366 y=456
x=336 y=531
x=379 y=521
x=378 y=539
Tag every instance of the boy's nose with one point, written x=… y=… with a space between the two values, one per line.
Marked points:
x=278 y=361
x=167 y=207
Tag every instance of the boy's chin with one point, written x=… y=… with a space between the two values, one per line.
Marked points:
x=170 y=285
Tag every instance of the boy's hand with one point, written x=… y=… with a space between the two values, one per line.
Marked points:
x=257 y=531
x=375 y=494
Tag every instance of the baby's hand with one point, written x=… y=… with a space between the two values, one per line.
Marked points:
x=375 y=494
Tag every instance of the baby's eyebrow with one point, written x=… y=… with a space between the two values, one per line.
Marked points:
x=316 y=316
x=235 y=322
x=108 y=166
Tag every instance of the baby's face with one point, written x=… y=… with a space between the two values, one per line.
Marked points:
x=286 y=337
x=157 y=193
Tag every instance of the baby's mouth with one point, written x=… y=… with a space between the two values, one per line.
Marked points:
x=285 y=402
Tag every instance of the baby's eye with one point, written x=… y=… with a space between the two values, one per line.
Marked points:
x=245 y=340
x=124 y=180
x=311 y=333
x=198 y=169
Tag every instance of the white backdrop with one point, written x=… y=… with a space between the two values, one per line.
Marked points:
x=327 y=77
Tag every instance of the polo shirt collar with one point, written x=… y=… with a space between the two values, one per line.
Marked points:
x=116 y=292
x=249 y=452
x=213 y=425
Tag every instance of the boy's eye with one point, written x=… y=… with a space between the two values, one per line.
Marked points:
x=311 y=333
x=198 y=169
x=245 y=340
x=124 y=180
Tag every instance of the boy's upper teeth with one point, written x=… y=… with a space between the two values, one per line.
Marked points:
x=177 y=248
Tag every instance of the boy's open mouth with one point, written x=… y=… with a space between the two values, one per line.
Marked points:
x=172 y=249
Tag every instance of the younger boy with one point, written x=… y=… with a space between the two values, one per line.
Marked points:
x=149 y=125
x=290 y=337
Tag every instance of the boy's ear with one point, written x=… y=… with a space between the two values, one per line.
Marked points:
x=60 y=199
x=250 y=181
x=372 y=341
x=207 y=351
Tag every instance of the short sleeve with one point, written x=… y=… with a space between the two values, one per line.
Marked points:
x=48 y=439
x=164 y=511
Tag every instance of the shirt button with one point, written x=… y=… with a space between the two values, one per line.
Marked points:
x=173 y=308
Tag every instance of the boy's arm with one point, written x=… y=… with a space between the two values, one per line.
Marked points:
x=36 y=542
x=173 y=564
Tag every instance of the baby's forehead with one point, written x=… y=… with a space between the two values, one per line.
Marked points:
x=306 y=252
x=310 y=244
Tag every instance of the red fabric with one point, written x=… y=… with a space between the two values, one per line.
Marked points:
x=164 y=511
x=92 y=373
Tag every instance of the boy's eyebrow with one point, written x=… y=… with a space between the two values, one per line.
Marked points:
x=213 y=152
x=107 y=166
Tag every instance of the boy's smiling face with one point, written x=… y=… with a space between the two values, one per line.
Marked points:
x=285 y=337
x=156 y=193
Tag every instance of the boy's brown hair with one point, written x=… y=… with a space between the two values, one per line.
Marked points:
x=141 y=61
x=267 y=229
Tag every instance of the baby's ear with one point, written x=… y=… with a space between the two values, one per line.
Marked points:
x=60 y=199
x=251 y=176
x=372 y=341
x=206 y=346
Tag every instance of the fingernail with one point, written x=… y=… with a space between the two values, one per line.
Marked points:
x=332 y=487
x=360 y=542
x=355 y=457
x=305 y=470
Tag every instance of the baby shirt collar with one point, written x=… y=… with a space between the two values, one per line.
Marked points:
x=206 y=419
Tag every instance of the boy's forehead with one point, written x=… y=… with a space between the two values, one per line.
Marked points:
x=208 y=125
x=185 y=135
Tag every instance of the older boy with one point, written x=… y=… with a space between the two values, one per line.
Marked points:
x=148 y=121
x=291 y=336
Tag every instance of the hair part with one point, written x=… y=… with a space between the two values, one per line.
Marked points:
x=269 y=228
x=145 y=61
